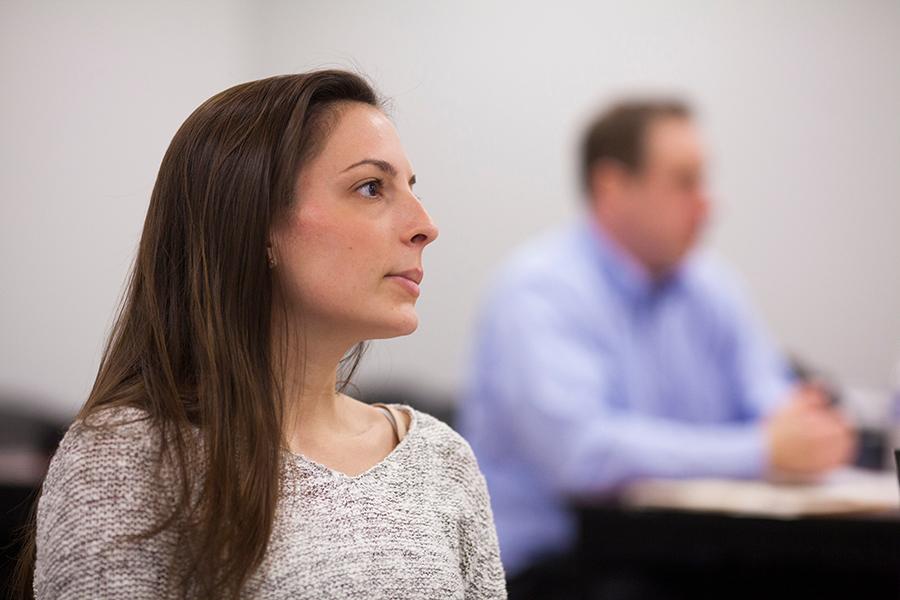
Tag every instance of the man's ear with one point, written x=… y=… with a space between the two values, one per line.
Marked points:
x=608 y=180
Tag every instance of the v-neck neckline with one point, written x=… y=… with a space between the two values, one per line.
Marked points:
x=413 y=428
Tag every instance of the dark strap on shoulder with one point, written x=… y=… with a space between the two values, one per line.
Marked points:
x=395 y=419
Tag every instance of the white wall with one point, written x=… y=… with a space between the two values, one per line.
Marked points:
x=92 y=92
x=799 y=101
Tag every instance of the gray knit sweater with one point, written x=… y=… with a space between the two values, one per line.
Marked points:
x=416 y=525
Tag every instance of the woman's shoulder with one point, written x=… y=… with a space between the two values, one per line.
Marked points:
x=450 y=447
x=103 y=486
x=107 y=464
x=110 y=445
x=112 y=429
x=122 y=419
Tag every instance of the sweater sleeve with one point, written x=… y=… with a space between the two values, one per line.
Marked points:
x=102 y=486
x=482 y=570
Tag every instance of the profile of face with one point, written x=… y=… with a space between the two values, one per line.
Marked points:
x=661 y=208
x=349 y=254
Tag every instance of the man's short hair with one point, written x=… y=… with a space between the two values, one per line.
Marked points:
x=618 y=133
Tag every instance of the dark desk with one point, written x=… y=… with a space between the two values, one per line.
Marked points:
x=683 y=554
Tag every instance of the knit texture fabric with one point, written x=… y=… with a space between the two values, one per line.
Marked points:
x=418 y=524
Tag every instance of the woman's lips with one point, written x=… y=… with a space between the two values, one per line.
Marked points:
x=410 y=280
x=411 y=286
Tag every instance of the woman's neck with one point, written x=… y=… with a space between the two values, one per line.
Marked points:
x=312 y=405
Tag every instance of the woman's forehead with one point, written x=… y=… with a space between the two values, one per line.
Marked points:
x=362 y=132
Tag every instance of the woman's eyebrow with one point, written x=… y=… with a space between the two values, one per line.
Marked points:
x=381 y=164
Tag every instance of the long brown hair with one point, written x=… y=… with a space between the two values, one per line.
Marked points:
x=191 y=341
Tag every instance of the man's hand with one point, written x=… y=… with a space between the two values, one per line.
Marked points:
x=807 y=437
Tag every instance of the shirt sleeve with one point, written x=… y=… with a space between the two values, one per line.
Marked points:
x=480 y=552
x=759 y=371
x=100 y=488
x=555 y=385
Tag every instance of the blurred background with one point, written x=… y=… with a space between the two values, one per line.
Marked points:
x=798 y=101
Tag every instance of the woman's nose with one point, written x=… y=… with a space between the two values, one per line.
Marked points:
x=423 y=230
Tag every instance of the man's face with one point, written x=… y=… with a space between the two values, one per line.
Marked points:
x=661 y=208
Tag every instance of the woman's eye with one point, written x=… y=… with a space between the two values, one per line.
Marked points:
x=370 y=189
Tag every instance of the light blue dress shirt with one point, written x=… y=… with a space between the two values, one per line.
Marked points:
x=587 y=375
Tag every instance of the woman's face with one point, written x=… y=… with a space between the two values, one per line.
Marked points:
x=350 y=253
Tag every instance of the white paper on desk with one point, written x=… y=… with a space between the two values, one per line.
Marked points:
x=844 y=491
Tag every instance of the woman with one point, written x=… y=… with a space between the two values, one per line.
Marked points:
x=217 y=456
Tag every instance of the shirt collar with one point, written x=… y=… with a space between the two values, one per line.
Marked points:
x=631 y=278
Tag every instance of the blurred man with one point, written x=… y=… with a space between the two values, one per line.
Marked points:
x=609 y=352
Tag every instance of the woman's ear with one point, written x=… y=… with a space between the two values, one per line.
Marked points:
x=270 y=254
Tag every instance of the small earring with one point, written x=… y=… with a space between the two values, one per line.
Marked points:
x=271 y=258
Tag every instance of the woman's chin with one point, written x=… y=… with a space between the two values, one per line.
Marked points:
x=407 y=326
x=399 y=326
